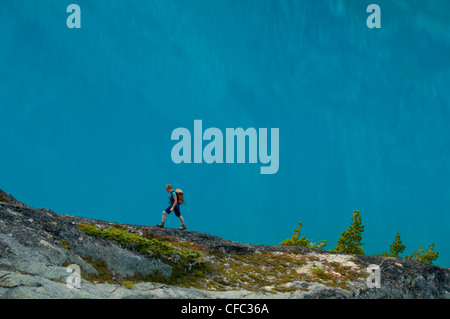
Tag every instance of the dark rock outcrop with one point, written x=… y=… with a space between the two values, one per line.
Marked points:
x=37 y=245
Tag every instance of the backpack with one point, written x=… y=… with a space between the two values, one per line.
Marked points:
x=180 y=196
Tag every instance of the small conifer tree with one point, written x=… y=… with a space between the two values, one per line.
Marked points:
x=421 y=255
x=350 y=241
x=427 y=256
x=295 y=240
x=396 y=247
x=302 y=242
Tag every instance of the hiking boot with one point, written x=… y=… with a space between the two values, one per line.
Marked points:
x=160 y=225
x=182 y=227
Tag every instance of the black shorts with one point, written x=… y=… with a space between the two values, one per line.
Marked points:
x=176 y=209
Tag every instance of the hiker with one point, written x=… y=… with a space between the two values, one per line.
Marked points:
x=174 y=206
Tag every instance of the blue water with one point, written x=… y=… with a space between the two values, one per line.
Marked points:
x=86 y=115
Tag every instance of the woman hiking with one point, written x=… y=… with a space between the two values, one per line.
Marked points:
x=174 y=206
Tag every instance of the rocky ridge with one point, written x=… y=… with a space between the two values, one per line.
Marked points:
x=38 y=245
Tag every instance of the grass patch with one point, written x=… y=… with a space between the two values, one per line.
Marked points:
x=188 y=267
x=144 y=245
x=65 y=244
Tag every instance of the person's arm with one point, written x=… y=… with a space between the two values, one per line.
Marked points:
x=175 y=202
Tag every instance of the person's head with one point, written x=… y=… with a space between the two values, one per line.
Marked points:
x=169 y=188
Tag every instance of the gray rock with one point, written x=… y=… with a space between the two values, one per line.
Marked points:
x=37 y=245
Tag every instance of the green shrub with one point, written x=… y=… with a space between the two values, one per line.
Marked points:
x=320 y=273
x=302 y=242
x=127 y=284
x=427 y=256
x=397 y=247
x=350 y=241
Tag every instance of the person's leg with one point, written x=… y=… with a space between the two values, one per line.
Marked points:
x=183 y=226
x=178 y=214
x=164 y=214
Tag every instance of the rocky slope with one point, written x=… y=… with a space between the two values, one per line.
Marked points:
x=132 y=261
